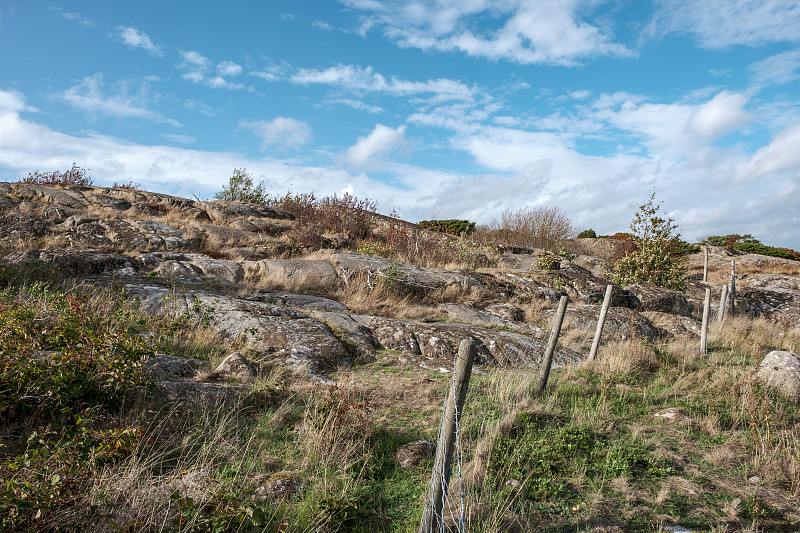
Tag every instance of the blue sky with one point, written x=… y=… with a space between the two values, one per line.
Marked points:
x=436 y=109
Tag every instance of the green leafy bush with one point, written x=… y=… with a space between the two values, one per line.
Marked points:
x=240 y=188
x=749 y=244
x=452 y=226
x=61 y=357
x=655 y=259
x=587 y=234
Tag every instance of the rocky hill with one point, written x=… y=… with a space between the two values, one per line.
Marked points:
x=316 y=307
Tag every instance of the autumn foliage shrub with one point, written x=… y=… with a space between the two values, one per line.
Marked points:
x=533 y=227
x=74 y=176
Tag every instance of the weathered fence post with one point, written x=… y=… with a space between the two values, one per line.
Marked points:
x=454 y=404
x=732 y=290
x=705 y=265
x=547 y=360
x=704 y=331
x=723 y=304
x=600 y=323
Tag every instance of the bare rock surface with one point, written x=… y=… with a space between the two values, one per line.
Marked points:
x=81 y=263
x=316 y=273
x=163 y=367
x=652 y=298
x=281 y=334
x=412 y=454
x=781 y=369
x=673 y=325
x=437 y=343
x=301 y=301
x=236 y=366
x=621 y=322
x=380 y=270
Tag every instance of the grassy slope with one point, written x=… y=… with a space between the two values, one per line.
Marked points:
x=587 y=456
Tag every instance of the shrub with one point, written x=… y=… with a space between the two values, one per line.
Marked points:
x=74 y=176
x=452 y=226
x=127 y=186
x=654 y=260
x=240 y=188
x=749 y=244
x=587 y=234
x=535 y=227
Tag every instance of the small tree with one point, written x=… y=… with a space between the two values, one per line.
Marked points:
x=653 y=261
x=240 y=188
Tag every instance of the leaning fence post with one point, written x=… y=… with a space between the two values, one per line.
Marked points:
x=454 y=403
x=547 y=360
x=705 y=264
x=704 y=331
x=723 y=303
x=732 y=290
x=600 y=323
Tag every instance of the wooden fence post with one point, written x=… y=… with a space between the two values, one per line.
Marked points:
x=705 y=264
x=723 y=304
x=732 y=289
x=704 y=331
x=600 y=323
x=547 y=361
x=454 y=403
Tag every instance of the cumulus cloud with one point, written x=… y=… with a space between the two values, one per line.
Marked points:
x=89 y=95
x=381 y=141
x=285 y=133
x=541 y=32
x=723 y=23
x=136 y=39
x=13 y=102
x=722 y=114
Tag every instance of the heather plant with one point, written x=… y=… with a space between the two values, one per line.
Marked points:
x=74 y=176
x=457 y=227
x=655 y=260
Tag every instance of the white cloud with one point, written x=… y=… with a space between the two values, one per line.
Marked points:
x=200 y=107
x=136 y=39
x=321 y=25
x=779 y=156
x=177 y=138
x=228 y=68
x=524 y=168
x=544 y=31
x=89 y=95
x=77 y=18
x=14 y=102
x=356 y=78
x=723 y=23
x=780 y=68
x=195 y=60
x=722 y=114
x=197 y=69
x=357 y=104
x=285 y=133
x=381 y=141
